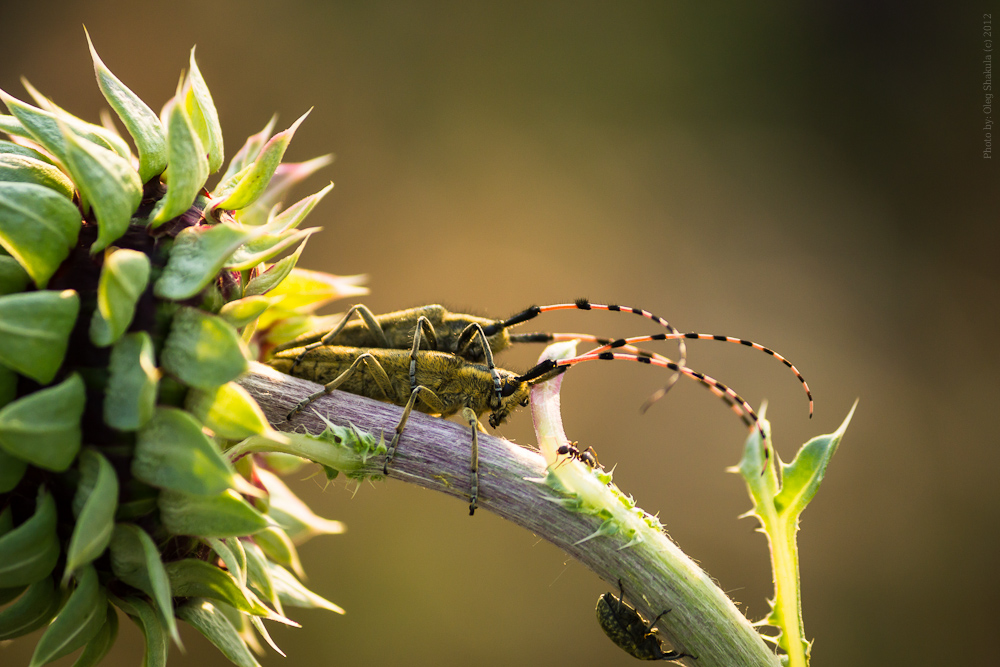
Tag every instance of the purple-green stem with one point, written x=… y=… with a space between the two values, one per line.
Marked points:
x=435 y=454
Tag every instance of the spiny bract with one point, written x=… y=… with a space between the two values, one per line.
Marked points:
x=131 y=298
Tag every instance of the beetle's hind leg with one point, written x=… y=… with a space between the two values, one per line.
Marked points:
x=368 y=361
x=430 y=399
x=474 y=426
x=366 y=316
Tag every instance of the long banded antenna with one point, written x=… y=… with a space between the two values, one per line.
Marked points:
x=627 y=343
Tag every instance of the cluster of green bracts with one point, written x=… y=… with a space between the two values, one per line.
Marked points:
x=131 y=298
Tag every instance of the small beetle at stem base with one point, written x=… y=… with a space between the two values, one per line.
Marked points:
x=629 y=631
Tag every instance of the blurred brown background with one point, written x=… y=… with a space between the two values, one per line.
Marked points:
x=810 y=178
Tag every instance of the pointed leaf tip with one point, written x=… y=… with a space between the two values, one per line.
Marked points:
x=140 y=121
x=97 y=497
x=135 y=559
x=257 y=176
x=247 y=153
x=212 y=623
x=204 y=115
x=188 y=168
x=80 y=619
x=801 y=478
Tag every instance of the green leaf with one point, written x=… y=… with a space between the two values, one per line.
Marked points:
x=138 y=500
x=98 y=495
x=230 y=551
x=43 y=428
x=139 y=119
x=291 y=592
x=22 y=169
x=265 y=247
x=101 y=644
x=29 y=552
x=801 y=478
x=38 y=227
x=130 y=396
x=135 y=559
x=152 y=626
x=187 y=167
x=258 y=624
x=195 y=578
x=259 y=575
x=273 y=276
x=10 y=148
x=196 y=257
x=255 y=181
x=293 y=515
x=171 y=452
x=278 y=547
x=13 y=277
x=202 y=350
x=33 y=609
x=204 y=116
x=210 y=622
x=123 y=280
x=297 y=212
x=12 y=469
x=34 y=331
x=225 y=515
x=229 y=184
x=228 y=410
x=285 y=177
x=243 y=311
x=249 y=151
x=278 y=326
x=95 y=134
x=108 y=182
x=43 y=127
x=79 y=621
x=305 y=291
x=12 y=126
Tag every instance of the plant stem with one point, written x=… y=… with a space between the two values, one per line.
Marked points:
x=785 y=565
x=435 y=454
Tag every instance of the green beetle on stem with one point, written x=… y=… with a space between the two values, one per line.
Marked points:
x=629 y=631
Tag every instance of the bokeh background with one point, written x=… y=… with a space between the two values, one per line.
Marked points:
x=809 y=177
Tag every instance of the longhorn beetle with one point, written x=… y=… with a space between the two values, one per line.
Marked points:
x=623 y=624
x=446 y=331
x=447 y=384
x=455 y=333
